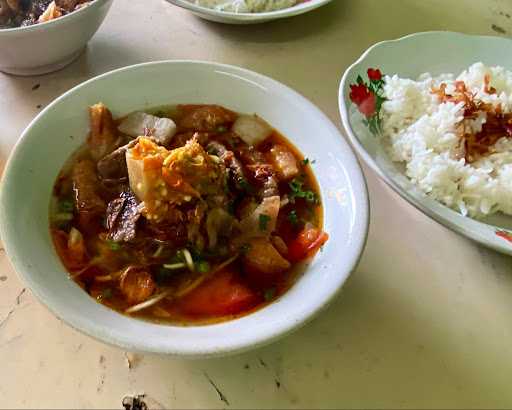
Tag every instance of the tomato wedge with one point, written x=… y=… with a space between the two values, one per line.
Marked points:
x=224 y=294
x=306 y=244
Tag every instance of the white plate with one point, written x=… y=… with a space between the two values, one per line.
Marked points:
x=248 y=18
x=436 y=53
x=62 y=127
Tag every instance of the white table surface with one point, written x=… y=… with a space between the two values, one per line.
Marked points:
x=424 y=322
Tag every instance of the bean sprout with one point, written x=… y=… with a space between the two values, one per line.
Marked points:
x=178 y=265
x=116 y=275
x=202 y=278
x=189 y=260
x=158 y=251
x=148 y=303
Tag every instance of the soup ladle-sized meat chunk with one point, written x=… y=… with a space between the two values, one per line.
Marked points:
x=122 y=216
x=205 y=117
x=181 y=139
x=88 y=202
x=113 y=165
x=173 y=234
x=137 y=285
x=262 y=171
x=266 y=176
x=233 y=164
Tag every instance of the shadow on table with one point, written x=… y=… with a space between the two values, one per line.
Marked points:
x=385 y=358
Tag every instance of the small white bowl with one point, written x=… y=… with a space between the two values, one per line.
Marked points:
x=248 y=18
x=62 y=127
x=46 y=47
x=410 y=56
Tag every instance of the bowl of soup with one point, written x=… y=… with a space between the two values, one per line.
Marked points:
x=41 y=36
x=181 y=207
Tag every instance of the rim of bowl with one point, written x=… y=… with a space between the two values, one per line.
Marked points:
x=360 y=149
x=362 y=220
x=55 y=22
x=288 y=12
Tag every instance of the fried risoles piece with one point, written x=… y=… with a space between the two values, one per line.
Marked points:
x=103 y=138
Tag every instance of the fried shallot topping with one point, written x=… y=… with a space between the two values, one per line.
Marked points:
x=483 y=124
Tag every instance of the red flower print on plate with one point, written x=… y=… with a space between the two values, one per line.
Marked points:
x=368 y=97
x=505 y=235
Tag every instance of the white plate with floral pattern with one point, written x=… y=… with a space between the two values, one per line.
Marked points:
x=408 y=57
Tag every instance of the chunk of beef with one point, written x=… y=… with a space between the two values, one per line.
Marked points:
x=113 y=165
x=233 y=164
x=88 y=201
x=122 y=216
x=265 y=175
x=205 y=117
x=250 y=155
x=181 y=139
x=103 y=138
x=173 y=234
x=137 y=285
x=263 y=172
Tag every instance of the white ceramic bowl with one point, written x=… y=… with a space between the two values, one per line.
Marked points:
x=46 y=47
x=58 y=130
x=248 y=18
x=436 y=53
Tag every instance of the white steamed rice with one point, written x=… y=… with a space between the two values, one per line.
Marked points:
x=420 y=132
x=246 y=6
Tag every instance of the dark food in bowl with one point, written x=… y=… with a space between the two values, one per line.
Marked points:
x=21 y=13
x=188 y=214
